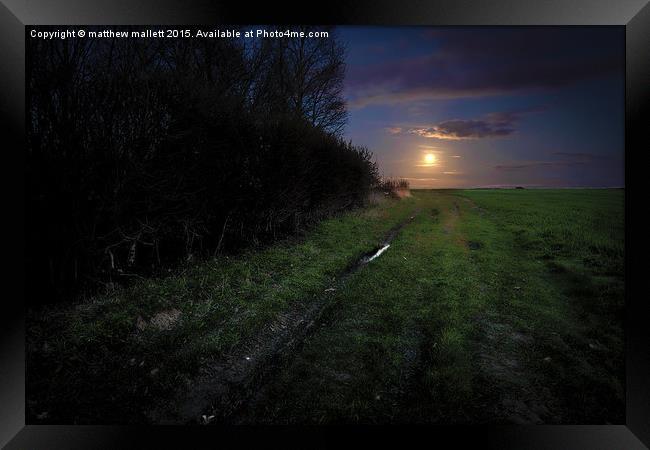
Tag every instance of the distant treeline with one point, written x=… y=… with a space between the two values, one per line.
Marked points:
x=143 y=153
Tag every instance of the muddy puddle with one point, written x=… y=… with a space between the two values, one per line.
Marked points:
x=373 y=255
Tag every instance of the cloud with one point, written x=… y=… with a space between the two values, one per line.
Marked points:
x=569 y=159
x=469 y=63
x=534 y=164
x=580 y=156
x=496 y=124
x=462 y=129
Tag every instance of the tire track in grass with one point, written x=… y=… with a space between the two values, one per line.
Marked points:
x=499 y=379
x=224 y=387
x=502 y=354
x=369 y=362
x=441 y=388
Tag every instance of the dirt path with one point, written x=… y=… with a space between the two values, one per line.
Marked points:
x=432 y=334
x=238 y=389
x=517 y=399
x=499 y=347
x=224 y=387
x=405 y=396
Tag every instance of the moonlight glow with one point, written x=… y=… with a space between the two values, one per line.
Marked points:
x=432 y=103
x=428 y=160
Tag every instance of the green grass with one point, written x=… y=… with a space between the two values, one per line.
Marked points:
x=491 y=306
x=567 y=259
x=89 y=363
x=436 y=332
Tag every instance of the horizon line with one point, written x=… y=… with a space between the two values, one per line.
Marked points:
x=522 y=187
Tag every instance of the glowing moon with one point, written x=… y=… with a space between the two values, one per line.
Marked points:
x=430 y=158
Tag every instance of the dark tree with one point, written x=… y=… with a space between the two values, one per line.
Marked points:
x=304 y=77
x=142 y=153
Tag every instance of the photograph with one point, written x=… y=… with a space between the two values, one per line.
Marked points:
x=320 y=225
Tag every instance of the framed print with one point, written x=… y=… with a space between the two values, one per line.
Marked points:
x=371 y=222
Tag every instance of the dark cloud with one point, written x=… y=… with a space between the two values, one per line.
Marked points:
x=462 y=129
x=580 y=156
x=480 y=62
x=535 y=164
x=569 y=159
x=495 y=124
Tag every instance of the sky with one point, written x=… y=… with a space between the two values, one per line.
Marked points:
x=449 y=107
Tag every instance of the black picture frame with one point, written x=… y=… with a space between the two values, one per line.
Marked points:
x=633 y=15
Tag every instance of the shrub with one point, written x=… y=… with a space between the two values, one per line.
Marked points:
x=393 y=186
x=142 y=154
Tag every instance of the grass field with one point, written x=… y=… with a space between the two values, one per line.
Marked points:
x=489 y=306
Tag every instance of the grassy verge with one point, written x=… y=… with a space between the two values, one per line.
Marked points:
x=109 y=359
